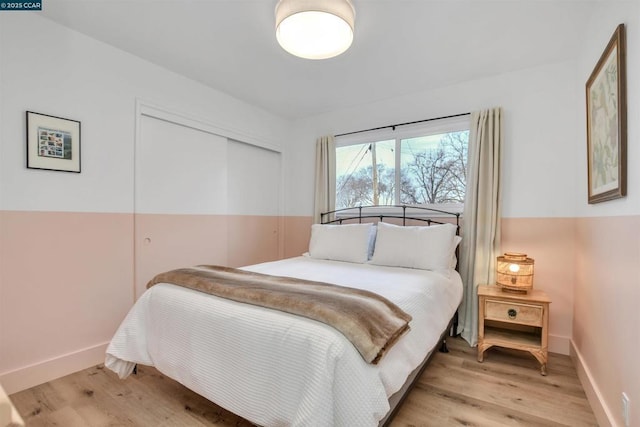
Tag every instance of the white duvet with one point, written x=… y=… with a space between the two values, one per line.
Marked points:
x=278 y=369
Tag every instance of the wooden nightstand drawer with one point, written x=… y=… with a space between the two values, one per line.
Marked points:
x=522 y=314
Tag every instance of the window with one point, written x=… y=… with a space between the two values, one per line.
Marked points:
x=423 y=164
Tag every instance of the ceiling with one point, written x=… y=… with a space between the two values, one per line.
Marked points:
x=400 y=46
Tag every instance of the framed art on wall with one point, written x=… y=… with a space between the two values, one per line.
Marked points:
x=607 y=123
x=53 y=143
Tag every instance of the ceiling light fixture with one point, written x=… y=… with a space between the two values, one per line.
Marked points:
x=315 y=29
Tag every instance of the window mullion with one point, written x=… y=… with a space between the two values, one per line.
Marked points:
x=398 y=171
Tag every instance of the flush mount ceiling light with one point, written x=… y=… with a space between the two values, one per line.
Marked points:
x=315 y=29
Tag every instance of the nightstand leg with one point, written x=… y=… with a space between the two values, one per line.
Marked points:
x=543 y=369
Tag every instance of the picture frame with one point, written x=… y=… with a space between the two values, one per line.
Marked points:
x=607 y=123
x=53 y=143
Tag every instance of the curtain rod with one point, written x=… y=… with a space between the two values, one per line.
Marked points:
x=403 y=124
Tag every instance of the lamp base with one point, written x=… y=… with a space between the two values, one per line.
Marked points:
x=513 y=289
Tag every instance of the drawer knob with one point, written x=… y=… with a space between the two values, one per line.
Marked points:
x=512 y=313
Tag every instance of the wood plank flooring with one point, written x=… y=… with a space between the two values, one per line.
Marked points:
x=455 y=390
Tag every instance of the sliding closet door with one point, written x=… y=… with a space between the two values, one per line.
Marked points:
x=254 y=200
x=180 y=198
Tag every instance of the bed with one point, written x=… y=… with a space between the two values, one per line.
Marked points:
x=278 y=369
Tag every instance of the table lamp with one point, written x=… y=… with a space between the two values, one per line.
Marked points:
x=514 y=272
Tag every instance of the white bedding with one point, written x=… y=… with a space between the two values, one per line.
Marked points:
x=277 y=369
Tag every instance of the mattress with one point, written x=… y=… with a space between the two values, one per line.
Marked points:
x=275 y=368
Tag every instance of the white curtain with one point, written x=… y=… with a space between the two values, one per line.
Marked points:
x=325 y=199
x=482 y=213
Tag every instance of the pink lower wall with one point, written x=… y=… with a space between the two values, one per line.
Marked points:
x=297 y=231
x=606 y=321
x=65 y=285
x=164 y=242
x=68 y=279
x=254 y=239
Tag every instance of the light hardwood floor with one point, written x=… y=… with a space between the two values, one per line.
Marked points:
x=455 y=390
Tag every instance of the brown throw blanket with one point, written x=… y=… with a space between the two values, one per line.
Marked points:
x=372 y=323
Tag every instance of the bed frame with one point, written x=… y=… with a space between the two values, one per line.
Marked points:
x=402 y=213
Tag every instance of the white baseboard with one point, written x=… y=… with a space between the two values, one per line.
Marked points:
x=560 y=345
x=600 y=409
x=38 y=373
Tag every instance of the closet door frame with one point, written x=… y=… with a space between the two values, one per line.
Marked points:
x=149 y=109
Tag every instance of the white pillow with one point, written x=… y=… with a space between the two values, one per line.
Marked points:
x=426 y=248
x=349 y=242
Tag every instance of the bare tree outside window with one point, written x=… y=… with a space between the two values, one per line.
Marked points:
x=356 y=174
x=358 y=190
x=437 y=171
x=433 y=171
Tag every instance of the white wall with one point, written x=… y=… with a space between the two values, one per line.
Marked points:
x=57 y=71
x=601 y=27
x=540 y=148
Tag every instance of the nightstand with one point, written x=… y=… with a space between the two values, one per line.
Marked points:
x=513 y=320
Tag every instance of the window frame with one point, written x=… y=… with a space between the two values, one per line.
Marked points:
x=416 y=130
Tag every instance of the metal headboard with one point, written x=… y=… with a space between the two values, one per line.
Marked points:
x=416 y=213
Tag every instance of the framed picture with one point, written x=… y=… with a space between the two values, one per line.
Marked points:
x=607 y=123
x=53 y=143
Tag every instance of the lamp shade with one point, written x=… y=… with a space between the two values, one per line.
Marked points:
x=315 y=29
x=514 y=272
